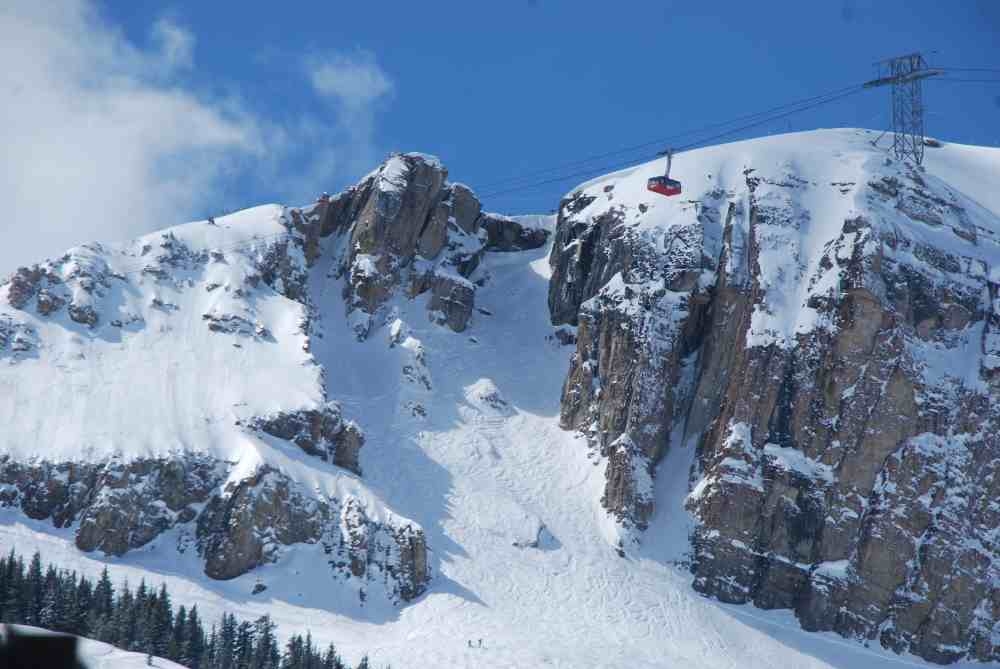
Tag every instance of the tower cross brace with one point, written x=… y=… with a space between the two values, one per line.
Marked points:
x=905 y=74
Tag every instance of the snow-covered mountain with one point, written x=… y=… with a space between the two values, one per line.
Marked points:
x=419 y=424
x=823 y=326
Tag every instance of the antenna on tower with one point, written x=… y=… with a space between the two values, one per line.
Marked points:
x=905 y=74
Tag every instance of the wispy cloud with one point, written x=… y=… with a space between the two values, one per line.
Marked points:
x=175 y=43
x=354 y=81
x=356 y=87
x=103 y=139
x=97 y=144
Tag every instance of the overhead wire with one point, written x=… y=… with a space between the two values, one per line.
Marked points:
x=660 y=141
x=756 y=119
x=528 y=181
x=797 y=107
x=967 y=69
x=967 y=81
x=852 y=91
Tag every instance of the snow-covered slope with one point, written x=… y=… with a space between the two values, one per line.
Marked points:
x=477 y=481
x=156 y=376
x=462 y=438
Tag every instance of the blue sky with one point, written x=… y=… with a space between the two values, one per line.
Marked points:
x=261 y=101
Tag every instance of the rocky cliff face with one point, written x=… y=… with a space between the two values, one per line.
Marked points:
x=219 y=317
x=407 y=229
x=826 y=337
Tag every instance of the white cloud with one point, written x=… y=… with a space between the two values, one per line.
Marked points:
x=354 y=81
x=101 y=140
x=356 y=86
x=95 y=144
x=176 y=44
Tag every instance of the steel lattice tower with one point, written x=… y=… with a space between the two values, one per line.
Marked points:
x=905 y=74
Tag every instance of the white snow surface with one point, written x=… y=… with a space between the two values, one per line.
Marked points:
x=483 y=472
x=163 y=382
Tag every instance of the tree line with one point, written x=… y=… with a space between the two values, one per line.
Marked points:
x=145 y=620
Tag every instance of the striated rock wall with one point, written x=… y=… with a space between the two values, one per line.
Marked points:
x=846 y=446
x=637 y=298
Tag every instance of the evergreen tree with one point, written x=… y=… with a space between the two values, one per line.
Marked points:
x=178 y=637
x=308 y=652
x=104 y=594
x=331 y=660
x=35 y=598
x=143 y=620
x=5 y=585
x=139 y=615
x=18 y=594
x=227 y=642
x=160 y=622
x=266 y=654
x=48 y=617
x=59 y=601
x=81 y=606
x=193 y=651
x=243 y=650
x=102 y=609
x=364 y=663
x=293 y=657
x=123 y=620
x=211 y=656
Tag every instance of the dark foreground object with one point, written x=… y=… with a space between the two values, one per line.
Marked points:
x=20 y=650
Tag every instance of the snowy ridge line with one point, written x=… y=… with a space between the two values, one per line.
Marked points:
x=138 y=269
x=246 y=244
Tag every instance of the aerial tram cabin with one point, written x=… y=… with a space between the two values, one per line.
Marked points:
x=664 y=185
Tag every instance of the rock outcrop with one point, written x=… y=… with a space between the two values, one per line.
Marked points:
x=78 y=280
x=837 y=376
x=120 y=506
x=117 y=505
x=452 y=300
x=406 y=231
x=320 y=432
x=249 y=523
x=504 y=233
x=17 y=339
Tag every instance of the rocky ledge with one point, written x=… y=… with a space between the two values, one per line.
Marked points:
x=236 y=525
x=405 y=229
